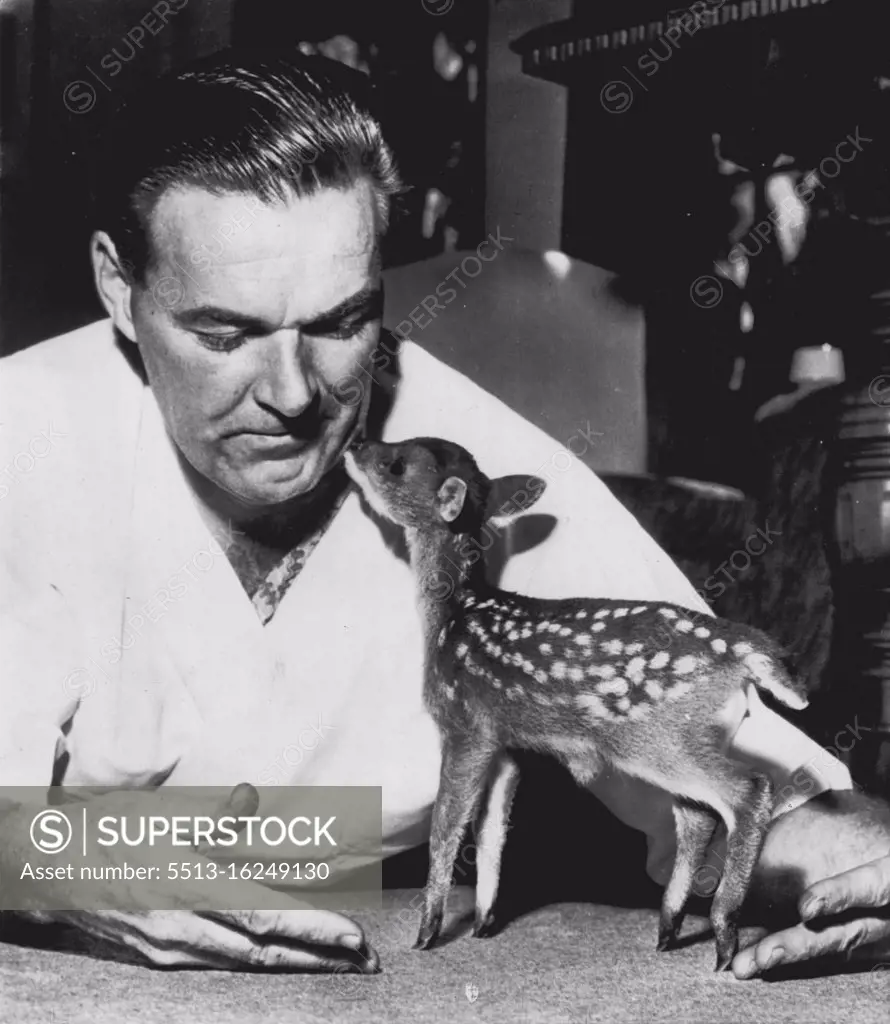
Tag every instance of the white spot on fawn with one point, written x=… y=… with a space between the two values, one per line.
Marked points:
x=603 y=671
x=540 y=676
x=639 y=608
x=461 y=650
x=545 y=649
x=740 y=650
x=613 y=647
x=653 y=690
x=487 y=604
x=634 y=669
x=597 y=627
x=634 y=648
x=683 y=626
x=565 y=631
x=683 y=666
x=576 y=673
x=512 y=635
x=623 y=704
x=581 y=615
x=583 y=638
x=592 y=705
x=526 y=633
x=559 y=670
x=619 y=613
x=555 y=627
x=449 y=691
x=702 y=633
x=617 y=686
x=543 y=626
x=443 y=633
x=668 y=613
x=659 y=660
x=602 y=613
x=719 y=646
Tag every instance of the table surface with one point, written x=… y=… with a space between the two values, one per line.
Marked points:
x=570 y=963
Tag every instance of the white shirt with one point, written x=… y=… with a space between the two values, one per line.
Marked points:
x=119 y=612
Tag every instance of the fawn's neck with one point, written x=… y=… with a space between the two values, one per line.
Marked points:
x=444 y=572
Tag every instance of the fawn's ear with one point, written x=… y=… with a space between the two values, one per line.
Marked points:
x=510 y=496
x=451 y=498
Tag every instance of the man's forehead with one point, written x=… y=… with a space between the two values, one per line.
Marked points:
x=238 y=247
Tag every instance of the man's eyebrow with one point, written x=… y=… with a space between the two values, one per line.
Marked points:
x=364 y=300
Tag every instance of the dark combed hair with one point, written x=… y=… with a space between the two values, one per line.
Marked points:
x=269 y=125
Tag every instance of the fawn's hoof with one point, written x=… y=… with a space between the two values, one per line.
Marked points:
x=723 y=963
x=667 y=937
x=485 y=926
x=727 y=947
x=429 y=932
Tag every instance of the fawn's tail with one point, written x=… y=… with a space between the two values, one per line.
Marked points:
x=768 y=674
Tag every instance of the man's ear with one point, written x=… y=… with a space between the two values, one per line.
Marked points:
x=510 y=496
x=451 y=497
x=113 y=283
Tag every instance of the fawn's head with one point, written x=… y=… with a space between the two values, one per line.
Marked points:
x=431 y=484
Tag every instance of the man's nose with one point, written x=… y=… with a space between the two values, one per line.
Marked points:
x=287 y=384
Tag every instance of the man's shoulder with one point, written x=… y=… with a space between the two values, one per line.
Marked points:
x=80 y=377
x=68 y=355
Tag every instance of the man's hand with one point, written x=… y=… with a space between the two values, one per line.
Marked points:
x=266 y=937
x=842 y=912
x=234 y=940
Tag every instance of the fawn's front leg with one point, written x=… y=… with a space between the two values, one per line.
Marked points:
x=743 y=846
x=490 y=846
x=465 y=764
x=695 y=827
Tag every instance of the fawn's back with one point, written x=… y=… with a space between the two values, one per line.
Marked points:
x=640 y=685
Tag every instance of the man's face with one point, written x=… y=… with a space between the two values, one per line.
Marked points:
x=251 y=320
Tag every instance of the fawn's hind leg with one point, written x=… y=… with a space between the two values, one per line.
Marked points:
x=695 y=827
x=465 y=763
x=490 y=845
x=743 y=846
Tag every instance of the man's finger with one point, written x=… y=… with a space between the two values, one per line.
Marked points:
x=803 y=943
x=308 y=927
x=865 y=886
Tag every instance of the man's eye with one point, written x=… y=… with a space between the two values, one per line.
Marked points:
x=220 y=342
x=340 y=332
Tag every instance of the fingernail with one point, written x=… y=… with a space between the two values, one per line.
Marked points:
x=812 y=909
x=774 y=958
x=352 y=941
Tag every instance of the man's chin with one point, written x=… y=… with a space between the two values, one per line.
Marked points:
x=274 y=482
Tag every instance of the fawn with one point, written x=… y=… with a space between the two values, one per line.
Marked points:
x=583 y=680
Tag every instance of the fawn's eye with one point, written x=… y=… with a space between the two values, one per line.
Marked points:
x=398 y=467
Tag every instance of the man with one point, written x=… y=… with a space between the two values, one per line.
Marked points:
x=191 y=593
